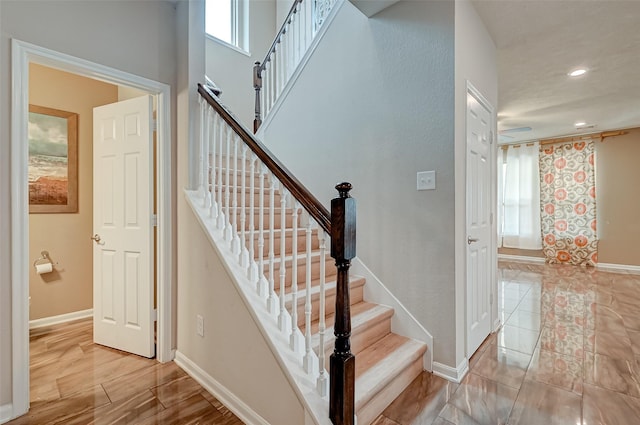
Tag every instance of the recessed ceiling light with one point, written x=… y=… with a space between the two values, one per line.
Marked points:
x=577 y=72
x=581 y=124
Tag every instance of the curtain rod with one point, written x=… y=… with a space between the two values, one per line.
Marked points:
x=602 y=135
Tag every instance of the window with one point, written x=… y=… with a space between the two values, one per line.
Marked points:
x=224 y=21
x=519 y=197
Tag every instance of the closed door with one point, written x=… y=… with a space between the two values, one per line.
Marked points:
x=123 y=280
x=478 y=238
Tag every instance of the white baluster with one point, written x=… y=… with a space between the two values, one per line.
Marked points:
x=253 y=266
x=272 y=304
x=295 y=339
x=283 y=324
x=265 y=89
x=221 y=139
x=262 y=286
x=279 y=70
x=228 y=231
x=205 y=171
x=244 y=253
x=293 y=32
x=308 y=361
x=235 y=241
x=272 y=78
x=303 y=26
x=201 y=169
x=309 y=33
x=212 y=162
x=323 y=381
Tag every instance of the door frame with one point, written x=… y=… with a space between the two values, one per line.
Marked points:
x=23 y=53
x=495 y=323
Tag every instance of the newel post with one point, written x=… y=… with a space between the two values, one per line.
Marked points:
x=257 y=84
x=343 y=362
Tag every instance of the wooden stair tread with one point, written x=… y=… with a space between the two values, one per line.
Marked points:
x=330 y=288
x=381 y=362
x=362 y=314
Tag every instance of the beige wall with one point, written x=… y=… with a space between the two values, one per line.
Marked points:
x=617 y=211
x=66 y=236
x=618 y=202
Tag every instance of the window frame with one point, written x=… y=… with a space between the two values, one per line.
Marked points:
x=239 y=25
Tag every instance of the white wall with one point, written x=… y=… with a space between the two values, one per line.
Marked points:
x=374 y=106
x=476 y=62
x=137 y=37
x=232 y=70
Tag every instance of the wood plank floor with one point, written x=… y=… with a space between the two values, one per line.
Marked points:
x=74 y=381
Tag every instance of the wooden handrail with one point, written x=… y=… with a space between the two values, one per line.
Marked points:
x=319 y=213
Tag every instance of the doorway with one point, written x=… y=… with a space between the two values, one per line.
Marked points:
x=22 y=55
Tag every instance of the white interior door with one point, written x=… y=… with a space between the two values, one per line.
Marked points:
x=123 y=289
x=479 y=226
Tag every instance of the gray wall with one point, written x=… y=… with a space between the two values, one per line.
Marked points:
x=232 y=71
x=374 y=106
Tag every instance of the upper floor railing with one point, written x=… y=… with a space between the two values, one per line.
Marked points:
x=287 y=50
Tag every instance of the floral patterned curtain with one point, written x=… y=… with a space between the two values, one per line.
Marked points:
x=568 y=203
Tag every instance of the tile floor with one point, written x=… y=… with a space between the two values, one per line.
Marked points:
x=74 y=381
x=568 y=353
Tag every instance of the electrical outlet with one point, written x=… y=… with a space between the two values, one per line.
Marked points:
x=200 y=325
x=426 y=180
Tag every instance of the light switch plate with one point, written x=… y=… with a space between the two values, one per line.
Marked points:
x=426 y=180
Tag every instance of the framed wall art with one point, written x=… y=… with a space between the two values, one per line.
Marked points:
x=53 y=160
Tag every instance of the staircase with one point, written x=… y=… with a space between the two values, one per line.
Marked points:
x=275 y=237
x=278 y=236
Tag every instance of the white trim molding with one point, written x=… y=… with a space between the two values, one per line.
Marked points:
x=22 y=54
x=6 y=413
x=618 y=268
x=452 y=374
x=244 y=412
x=521 y=258
x=62 y=318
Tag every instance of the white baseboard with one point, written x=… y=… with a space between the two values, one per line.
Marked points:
x=521 y=258
x=6 y=413
x=602 y=266
x=619 y=268
x=226 y=397
x=452 y=374
x=63 y=318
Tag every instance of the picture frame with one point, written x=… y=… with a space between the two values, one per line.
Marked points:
x=53 y=160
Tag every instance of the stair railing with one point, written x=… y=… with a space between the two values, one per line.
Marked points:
x=240 y=183
x=287 y=50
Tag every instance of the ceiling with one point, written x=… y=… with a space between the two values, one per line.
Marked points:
x=540 y=42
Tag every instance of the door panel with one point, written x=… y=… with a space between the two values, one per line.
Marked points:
x=479 y=226
x=123 y=208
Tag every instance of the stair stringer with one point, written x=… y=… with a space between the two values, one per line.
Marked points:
x=316 y=407
x=402 y=322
